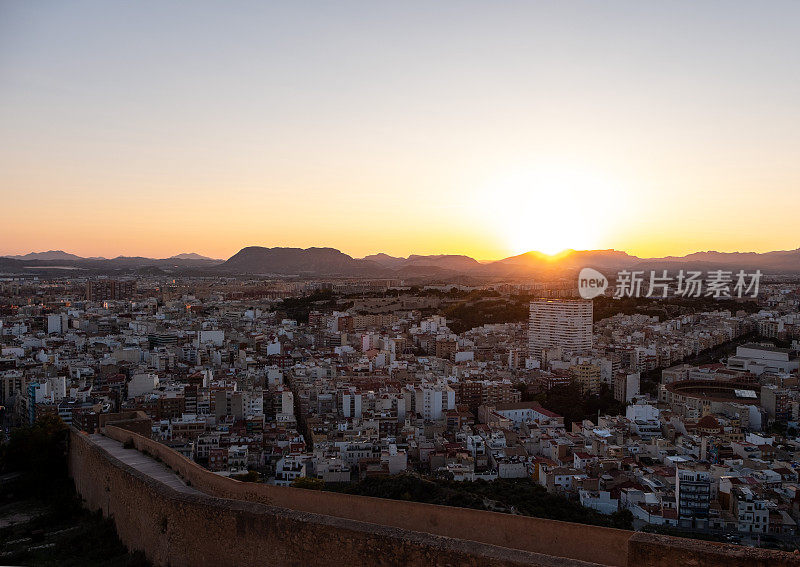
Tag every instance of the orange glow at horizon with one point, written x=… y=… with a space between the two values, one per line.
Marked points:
x=151 y=130
x=547 y=207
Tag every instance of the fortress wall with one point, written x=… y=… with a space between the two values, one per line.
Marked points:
x=665 y=551
x=179 y=529
x=597 y=544
x=552 y=538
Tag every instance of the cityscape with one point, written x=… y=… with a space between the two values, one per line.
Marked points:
x=675 y=415
x=498 y=285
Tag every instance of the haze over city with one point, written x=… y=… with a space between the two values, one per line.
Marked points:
x=466 y=128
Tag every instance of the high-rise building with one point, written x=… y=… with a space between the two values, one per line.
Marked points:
x=102 y=289
x=692 y=496
x=626 y=386
x=560 y=323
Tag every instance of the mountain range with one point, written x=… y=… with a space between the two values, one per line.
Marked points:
x=61 y=255
x=332 y=262
x=49 y=255
x=313 y=262
x=57 y=262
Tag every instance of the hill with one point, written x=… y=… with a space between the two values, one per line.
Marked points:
x=308 y=261
x=191 y=256
x=49 y=255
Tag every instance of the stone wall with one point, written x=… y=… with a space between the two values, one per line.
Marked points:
x=531 y=536
x=664 y=551
x=550 y=537
x=136 y=421
x=178 y=529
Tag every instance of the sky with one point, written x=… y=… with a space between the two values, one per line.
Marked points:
x=479 y=128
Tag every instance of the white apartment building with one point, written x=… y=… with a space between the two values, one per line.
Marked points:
x=752 y=514
x=351 y=404
x=564 y=323
x=432 y=401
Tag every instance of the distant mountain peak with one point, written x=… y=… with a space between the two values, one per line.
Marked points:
x=417 y=262
x=49 y=255
x=190 y=256
x=288 y=261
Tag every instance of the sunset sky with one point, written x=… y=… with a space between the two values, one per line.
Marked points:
x=479 y=128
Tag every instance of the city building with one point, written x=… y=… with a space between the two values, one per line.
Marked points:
x=559 y=323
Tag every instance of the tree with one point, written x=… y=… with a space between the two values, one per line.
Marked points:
x=249 y=476
x=39 y=452
x=309 y=483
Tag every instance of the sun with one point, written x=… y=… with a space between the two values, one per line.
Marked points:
x=548 y=209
